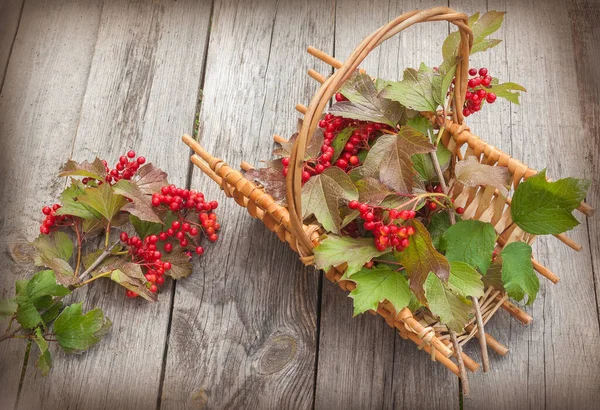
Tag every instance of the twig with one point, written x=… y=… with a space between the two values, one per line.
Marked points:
x=480 y=329
x=98 y=261
x=461 y=364
x=23 y=372
x=481 y=336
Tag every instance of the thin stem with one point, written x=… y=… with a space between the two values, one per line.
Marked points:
x=98 y=261
x=23 y=372
x=479 y=320
x=93 y=278
x=388 y=262
x=79 y=243
x=107 y=238
x=461 y=364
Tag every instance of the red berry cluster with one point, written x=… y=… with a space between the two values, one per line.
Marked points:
x=52 y=220
x=386 y=234
x=178 y=199
x=145 y=253
x=332 y=125
x=125 y=168
x=476 y=94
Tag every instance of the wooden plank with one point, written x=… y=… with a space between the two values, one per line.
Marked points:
x=10 y=16
x=39 y=110
x=553 y=362
x=363 y=363
x=243 y=332
x=141 y=95
x=584 y=15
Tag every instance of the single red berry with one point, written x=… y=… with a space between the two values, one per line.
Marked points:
x=176 y=225
x=131 y=154
x=183 y=243
x=124 y=237
x=460 y=210
x=404 y=243
x=410 y=230
x=305 y=176
x=354 y=160
x=141 y=160
x=167 y=265
x=362 y=208
x=153 y=288
x=162 y=236
x=490 y=98
x=432 y=206
x=46 y=210
x=285 y=161
x=168 y=247
x=369 y=217
x=213 y=237
x=319 y=168
x=353 y=204
x=199 y=250
x=194 y=231
x=341 y=163
x=472 y=71
x=482 y=72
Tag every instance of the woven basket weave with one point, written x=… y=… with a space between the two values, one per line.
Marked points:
x=484 y=204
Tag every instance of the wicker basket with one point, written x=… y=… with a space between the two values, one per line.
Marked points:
x=483 y=204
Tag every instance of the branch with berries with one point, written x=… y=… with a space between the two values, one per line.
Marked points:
x=126 y=224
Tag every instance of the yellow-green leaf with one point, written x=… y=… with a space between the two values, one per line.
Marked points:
x=376 y=285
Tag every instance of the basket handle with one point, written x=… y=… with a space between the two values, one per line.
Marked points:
x=333 y=83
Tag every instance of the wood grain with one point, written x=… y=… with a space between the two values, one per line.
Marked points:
x=39 y=110
x=243 y=332
x=141 y=95
x=10 y=15
x=546 y=130
x=378 y=368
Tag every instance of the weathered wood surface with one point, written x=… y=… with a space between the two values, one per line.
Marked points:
x=243 y=332
x=252 y=327
x=39 y=111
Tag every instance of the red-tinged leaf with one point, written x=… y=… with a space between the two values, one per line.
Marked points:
x=323 y=195
x=271 y=179
x=181 y=265
x=150 y=179
x=94 y=170
x=337 y=250
x=471 y=173
x=142 y=203
x=372 y=192
x=313 y=147
x=420 y=258
x=54 y=251
x=366 y=103
x=131 y=277
x=390 y=159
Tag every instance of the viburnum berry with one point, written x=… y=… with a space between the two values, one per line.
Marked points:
x=386 y=225
x=460 y=210
x=478 y=91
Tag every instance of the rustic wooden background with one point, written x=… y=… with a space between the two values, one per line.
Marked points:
x=254 y=328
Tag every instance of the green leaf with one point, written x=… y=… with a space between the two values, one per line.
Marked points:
x=447 y=75
x=36 y=294
x=51 y=311
x=488 y=24
x=508 y=91
x=493 y=277
x=141 y=205
x=420 y=258
x=484 y=45
x=438 y=224
x=8 y=307
x=77 y=332
x=424 y=165
x=379 y=284
x=471 y=242
x=339 y=142
x=337 y=250
x=415 y=91
x=44 y=362
x=452 y=310
x=54 y=252
x=471 y=173
x=70 y=202
x=103 y=200
x=464 y=280
x=323 y=195
x=131 y=277
x=541 y=208
x=366 y=103
x=390 y=158
x=145 y=228
x=181 y=264
x=421 y=124
x=94 y=170
x=517 y=272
